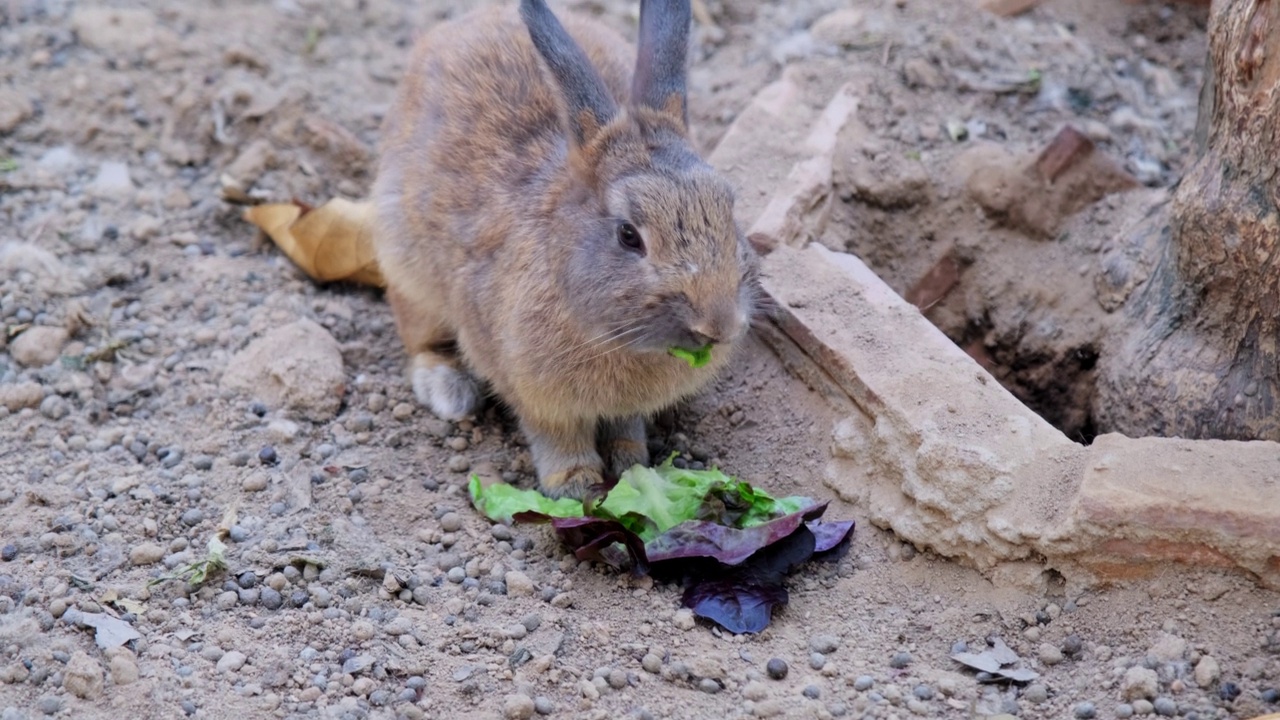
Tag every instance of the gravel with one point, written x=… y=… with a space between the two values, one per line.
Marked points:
x=243 y=394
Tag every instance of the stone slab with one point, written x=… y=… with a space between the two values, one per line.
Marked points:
x=1146 y=502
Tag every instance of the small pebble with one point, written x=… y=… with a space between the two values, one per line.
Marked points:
x=1036 y=694
x=1270 y=695
x=709 y=686
x=543 y=705
x=652 y=663
x=900 y=660
x=193 y=517
x=1072 y=645
x=817 y=660
x=1050 y=655
x=500 y=532
x=451 y=522
x=923 y=692
x=9 y=552
x=1165 y=706
x=456 y=574
x=270 y=598
x=864 y=683
x=518 y=707
x=1143 y=707
x=813 y=692
x=1085 y=711
x=777 y=668
x=267 y=456
x=617 y=679
x=459 y=464
x=519 y=585
x=1124 y=710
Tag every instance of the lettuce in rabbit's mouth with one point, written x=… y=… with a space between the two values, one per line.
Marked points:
x=695 y=358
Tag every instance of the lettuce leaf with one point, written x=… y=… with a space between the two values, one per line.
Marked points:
x=729 y=543
x=696 y=358
x=500 y=502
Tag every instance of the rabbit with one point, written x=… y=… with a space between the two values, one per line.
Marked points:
x=547 y=232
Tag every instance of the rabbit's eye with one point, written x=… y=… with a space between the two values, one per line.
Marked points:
x=629 y=237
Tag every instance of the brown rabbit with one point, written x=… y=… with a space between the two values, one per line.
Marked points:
x=546 y=229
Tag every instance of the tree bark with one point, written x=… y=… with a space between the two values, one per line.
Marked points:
x=1197 y=353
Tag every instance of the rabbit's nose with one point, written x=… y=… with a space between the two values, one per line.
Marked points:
x=705 y=333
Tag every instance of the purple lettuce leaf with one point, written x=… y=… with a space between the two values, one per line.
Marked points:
x=742 y=598
x=831 y=535
x=596 y=539
x=728 y=545
x=737 y=606
x=591 y=538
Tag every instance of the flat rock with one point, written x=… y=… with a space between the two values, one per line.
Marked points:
x=297 y=366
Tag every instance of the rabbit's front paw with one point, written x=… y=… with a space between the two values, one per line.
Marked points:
x=572 y=483
x=623 y=444
x=450 y=393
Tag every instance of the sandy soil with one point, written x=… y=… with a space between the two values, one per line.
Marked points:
x=131 y=290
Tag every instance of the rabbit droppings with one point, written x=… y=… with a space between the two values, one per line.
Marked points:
x=547 y=231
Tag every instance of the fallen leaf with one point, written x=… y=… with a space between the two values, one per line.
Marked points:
x=1003 y=653
x=330 y=243
x=978 y=661
x=131 y=606
x=999 y=660
x=109 y=632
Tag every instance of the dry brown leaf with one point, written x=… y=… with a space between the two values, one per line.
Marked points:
x=330 y=243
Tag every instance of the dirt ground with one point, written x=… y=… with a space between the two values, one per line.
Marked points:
x=360 y=582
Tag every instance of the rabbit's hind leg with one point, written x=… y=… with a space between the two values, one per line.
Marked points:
x=438 y=378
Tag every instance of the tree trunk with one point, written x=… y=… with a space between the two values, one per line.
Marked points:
x=1196 y=355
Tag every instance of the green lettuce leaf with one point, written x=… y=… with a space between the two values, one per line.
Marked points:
x=500 y=501
x=696 y=358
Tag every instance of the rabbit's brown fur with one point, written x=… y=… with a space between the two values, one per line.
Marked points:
x=507 y=170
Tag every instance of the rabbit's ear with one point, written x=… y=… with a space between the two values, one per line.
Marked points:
x=591 y=106
x=659 y=81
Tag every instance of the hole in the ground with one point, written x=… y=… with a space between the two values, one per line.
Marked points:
x=1023 y=306
x=1058 y=384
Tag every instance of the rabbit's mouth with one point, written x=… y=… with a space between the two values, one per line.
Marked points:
x=696 y=358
